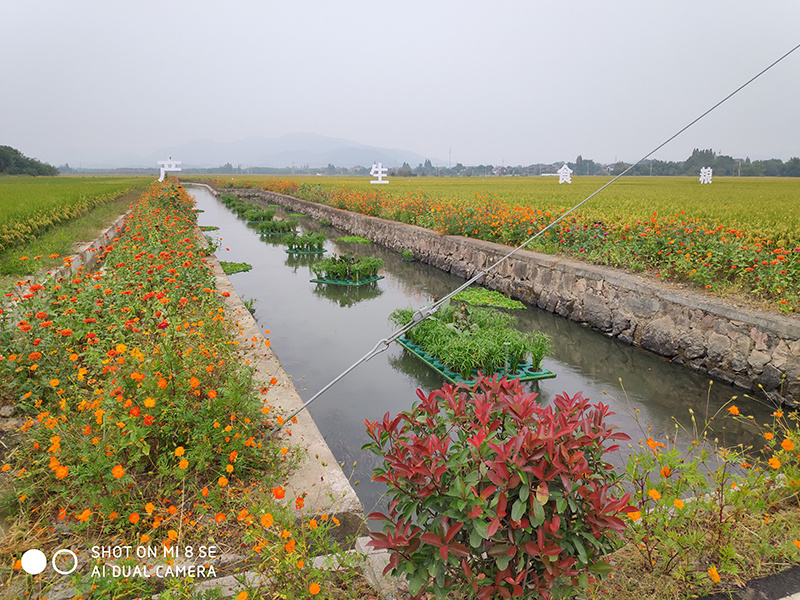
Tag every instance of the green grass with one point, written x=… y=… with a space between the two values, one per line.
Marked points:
x=353 y=239
x=478 y=296
x=235 y=267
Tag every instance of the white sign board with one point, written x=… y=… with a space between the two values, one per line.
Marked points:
x=379 y=171
x=564 y=175
x=168 y=166
x=705 y=175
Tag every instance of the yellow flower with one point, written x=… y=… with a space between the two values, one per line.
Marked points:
x=712 y=572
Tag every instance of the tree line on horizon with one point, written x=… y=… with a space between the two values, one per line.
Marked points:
x=13 y=162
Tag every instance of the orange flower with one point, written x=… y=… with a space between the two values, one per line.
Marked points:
x=278 y=493
x=654 y=444
x=654 y=494
x=172 y=534
x=298 y=503
x=314 y=589
x=267 y=520
x=774 y=463
x=312 y=524
x=678 y=503
x=241 y=596
x=712 y=572
x=796 y=543
x=787 y=445
x=289 y=546
x=84 y=516
x=768 y=436
x=284 y=450
x=183 y=464
x=222 y=481
x=62 y=472
x=233 y=455
x=300 y=564
x=179 y=451
x=635 y=515
x=162 y=383
x=204 y=492
x=212 y=394
x=54 y=382
x=134 y=518
x=149 y=508
x=219 y=517
x=118 y=471
x=194 y=382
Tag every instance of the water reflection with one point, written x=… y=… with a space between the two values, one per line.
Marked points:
x=348 y=295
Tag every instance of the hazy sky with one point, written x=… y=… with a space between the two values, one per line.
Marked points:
x=498 y=82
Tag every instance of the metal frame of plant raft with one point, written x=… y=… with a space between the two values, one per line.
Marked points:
x=525 y=373
x=353 y=283
x=304 y=251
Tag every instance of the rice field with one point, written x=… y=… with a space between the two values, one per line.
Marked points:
x=29 y=205
x=739 y=235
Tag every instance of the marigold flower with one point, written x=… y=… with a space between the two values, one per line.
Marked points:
x=172 y=534
x=267 y=520
x=312 y=524
x=733 y=410
x=774 y=463
x=712 y=572
x=233 y=455
x=149 y=508
x=666 y=471
x=229 y=468
x=222 y=481
x=84 y=516
x=135 y=411
x=113 y=515
x=298 y=503
x=212 y=394
x=635 y=515
x=787 y=445
x=62 y=472
x=768 y=436
x=654 y=494
x=118 y=471
x=241 y=596
x=219 y=517
x=278 y=492
x=797 y=543
x=179 y=451
x=314 y=589
x=678 y=503
x=183 y=464
x=194 y=382
x=148 y=420
x=162 y=383
x=149 y=402
x=204 y=492
x=289 y=546
x=300 y=564
x=54 y=382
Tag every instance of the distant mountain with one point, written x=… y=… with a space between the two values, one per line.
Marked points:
x=298 y=149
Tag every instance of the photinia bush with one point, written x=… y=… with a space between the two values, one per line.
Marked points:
x=493 y=491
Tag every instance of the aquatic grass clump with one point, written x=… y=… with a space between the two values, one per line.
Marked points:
x=347 y=268
x=478 y=296
x=277 y=227
x=308 y=243
x=467 y=341
x=235 y=267
x=353 y=239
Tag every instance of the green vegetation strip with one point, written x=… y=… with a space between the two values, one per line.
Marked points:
x=479 y=296
x=353 y=239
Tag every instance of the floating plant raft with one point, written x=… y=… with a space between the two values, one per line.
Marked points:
x=525 y=371
x=308 y=243
x=347 y=269
x=459 y=342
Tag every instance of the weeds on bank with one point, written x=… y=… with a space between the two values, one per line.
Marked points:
x=709 y=518
x=139 y=420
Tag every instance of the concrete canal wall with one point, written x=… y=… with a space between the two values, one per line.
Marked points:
x=755 y=350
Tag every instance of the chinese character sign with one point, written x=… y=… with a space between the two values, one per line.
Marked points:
x=564 y=174
x=168 y=166
x=705 y=175
x=379 y=171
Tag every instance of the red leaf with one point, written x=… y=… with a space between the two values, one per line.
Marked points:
x=431 y=538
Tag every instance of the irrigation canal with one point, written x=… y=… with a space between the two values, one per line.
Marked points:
x=317 y=331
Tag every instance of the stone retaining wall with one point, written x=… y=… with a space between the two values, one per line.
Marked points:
x=757 y=351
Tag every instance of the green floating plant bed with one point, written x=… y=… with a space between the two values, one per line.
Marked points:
x=351 y=283
x=353 y=239
x=304 y=251
x=526 y=371
x=233 y=267
x=478 y=296
x=208 y=228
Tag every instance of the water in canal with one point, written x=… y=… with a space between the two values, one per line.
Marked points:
x=317 y=331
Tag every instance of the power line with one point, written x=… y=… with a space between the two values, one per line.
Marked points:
x=427 y=311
